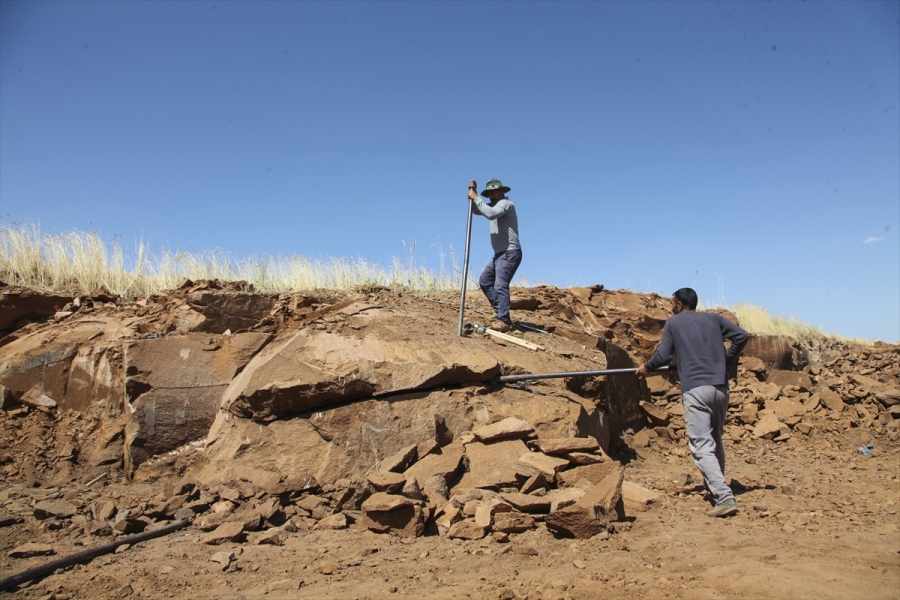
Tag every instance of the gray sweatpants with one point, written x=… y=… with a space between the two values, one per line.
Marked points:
x=705 y=408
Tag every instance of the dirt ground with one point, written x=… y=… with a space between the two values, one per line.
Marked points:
x=818 y=520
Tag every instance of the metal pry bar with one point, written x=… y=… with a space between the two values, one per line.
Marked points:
x=529 y=376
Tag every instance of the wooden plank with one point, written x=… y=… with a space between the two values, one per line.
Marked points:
x=513 y=340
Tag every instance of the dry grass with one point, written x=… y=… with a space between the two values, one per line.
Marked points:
x=759 y=321
x=80 y=261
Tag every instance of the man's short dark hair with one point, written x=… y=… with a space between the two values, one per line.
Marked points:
x=687 y=297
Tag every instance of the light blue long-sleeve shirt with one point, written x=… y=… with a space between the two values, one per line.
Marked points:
x=504 y=223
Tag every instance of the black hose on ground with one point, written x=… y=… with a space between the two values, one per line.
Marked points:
x=86 y=555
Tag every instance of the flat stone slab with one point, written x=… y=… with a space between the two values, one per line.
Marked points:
x=31 y=549
x=445 y=464
x=783 y=378
x=561 y=498
x=655 y=415
x=60 y=509
x=527 y=503
x=406 y=521
x=401 y=460
x=382 y=502
x=566 y=445
x=594 y=473
x=593 y=512
x=658 y=385
x=231 y=531
x=467 y=529
x=767 y=425
x=505 y=428
x=491 y=465
x=387 y=481
x=532 y=463
x=513 y=522
x=832 y=400
x=636 y=497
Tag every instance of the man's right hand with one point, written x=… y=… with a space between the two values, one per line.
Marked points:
x=642 y=371
x=473 y=190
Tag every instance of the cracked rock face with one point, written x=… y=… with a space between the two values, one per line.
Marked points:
x=174 y=385
x=350 y=440
x=77 y=368
x=308 y=369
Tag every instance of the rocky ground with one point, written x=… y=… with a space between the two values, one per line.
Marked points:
x=386 y=477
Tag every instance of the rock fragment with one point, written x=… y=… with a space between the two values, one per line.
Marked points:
x=30 y=550
x=387 y=481
x=60 y=509
x=566 y=445
x=467 y=529
x=656 y=416
x=533 y=463
x=506 y=428
x=593 y=512
x=636 y=497
x=400 y=460
x=491 y=465
x=232 y=531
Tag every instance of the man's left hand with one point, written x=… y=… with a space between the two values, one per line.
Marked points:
x=642 y=371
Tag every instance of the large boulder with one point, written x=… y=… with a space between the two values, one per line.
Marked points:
x=309 y=368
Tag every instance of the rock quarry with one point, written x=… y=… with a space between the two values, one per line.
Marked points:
x=351 y=444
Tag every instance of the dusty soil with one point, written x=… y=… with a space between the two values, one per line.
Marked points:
x=818 y=517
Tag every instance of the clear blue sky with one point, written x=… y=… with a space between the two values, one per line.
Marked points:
x=750 y=150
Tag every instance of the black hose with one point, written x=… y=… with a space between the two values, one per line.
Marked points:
x=86 y=555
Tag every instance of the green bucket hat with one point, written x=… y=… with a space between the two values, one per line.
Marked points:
x=494 y=184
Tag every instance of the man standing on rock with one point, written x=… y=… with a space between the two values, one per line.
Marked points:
x=697 y=340
x=495 y=278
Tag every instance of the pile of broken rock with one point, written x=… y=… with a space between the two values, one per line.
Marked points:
x=776 y=404
x=511 y=483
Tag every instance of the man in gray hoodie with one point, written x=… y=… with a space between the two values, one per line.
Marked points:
x=698 y=341
x=495 y=278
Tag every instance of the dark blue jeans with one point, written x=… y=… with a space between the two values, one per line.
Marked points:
x=495 y=278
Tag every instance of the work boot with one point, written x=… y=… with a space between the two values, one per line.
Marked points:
x=726 y=508
x=501 y=326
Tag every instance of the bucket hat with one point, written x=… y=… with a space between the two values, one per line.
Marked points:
x=494 y=184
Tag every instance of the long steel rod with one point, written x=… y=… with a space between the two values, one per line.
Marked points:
x=527 y=376
x=86 y=555
x=465 y=273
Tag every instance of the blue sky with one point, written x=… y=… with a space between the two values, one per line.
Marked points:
x=749 y=150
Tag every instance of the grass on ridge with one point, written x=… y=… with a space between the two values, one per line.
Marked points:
x=81 y=262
